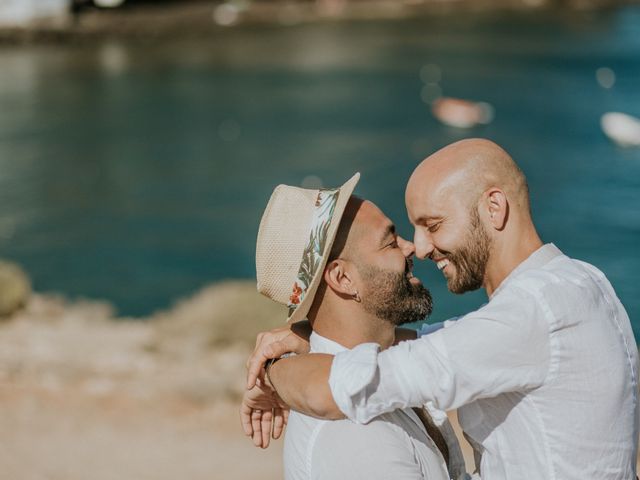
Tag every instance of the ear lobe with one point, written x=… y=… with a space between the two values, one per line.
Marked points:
x=338 y=278
x=498 y=208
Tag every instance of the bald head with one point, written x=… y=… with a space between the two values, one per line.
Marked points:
x=468 y=168
x=469 y=205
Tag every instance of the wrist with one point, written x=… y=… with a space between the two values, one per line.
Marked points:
x=268 y=379
x=267 y=368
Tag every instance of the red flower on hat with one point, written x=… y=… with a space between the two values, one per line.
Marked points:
x=295 y=296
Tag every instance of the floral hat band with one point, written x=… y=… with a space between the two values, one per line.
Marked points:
x=313 y=254
x=295 y=237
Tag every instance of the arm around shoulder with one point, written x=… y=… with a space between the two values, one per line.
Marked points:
x=503 y=347
x=303 y=383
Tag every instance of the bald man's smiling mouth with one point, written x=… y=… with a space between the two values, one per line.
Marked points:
x=440 y=259
x=441 y=264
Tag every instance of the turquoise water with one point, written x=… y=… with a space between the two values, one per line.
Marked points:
x=137 y=172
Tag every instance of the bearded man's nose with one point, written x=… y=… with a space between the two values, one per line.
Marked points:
x=408 y=248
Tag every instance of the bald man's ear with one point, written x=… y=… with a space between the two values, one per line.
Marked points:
x=339 y=278
x=496 y=207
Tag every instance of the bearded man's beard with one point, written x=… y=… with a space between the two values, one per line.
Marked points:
x=390 y=296
x=471 y=259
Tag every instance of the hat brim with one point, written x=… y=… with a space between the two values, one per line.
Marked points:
x=345 y=192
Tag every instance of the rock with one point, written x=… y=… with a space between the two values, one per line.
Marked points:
x=15 y=288
x=222 y=314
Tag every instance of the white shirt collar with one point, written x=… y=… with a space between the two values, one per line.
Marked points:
x=320 y=344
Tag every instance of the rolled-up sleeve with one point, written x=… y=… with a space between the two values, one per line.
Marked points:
x=502 y=347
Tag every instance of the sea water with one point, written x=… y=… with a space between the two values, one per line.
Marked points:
x=137 y=171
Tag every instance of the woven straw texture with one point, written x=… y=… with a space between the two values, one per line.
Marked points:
x=284 y=231
x=282 y=237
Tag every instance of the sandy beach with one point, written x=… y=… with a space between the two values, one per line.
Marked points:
x=70 y=435
x=87 y=396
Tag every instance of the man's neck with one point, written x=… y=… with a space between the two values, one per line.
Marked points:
x=350 y=329
x=505 y=258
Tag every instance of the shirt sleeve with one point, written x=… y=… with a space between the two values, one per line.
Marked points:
x=428 y=328
x=345 y=449
x=502 y=347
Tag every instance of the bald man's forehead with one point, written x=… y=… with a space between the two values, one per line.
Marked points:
x=430 y=204
x=462 y=170
x=436 y=184
x=440 y=170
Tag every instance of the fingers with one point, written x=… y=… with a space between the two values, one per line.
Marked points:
x=258 y=347
x=256 y=424
x=245 y=419
x=255 y=367
x=255 y=363
x=278 y=423
x=266 y=426
x=278 y=348
x=257 y=415
x=286 y=342
x=274 y=349
x=261 y=425
x=256 y=350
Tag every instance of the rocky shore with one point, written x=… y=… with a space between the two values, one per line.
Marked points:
x=87 y=395
x=193 y=353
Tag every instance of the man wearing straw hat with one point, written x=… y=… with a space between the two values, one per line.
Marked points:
x=544 y=375
x=355 y=285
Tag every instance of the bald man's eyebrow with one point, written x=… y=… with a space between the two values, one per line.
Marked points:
x=389 y=234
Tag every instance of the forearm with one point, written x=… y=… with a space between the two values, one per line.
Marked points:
x=479 y=358
x=303 y=383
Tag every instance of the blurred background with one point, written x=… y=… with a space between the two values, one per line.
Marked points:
x=140 y=142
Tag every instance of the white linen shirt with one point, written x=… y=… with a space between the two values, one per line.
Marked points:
x=545 y=375
x=393 y=445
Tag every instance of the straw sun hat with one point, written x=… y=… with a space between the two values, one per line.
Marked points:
x=296 y=234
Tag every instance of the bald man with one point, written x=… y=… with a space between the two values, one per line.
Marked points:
x=544 y=375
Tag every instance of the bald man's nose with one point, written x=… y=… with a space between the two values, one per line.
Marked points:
x=406 y=247
x=423 y=244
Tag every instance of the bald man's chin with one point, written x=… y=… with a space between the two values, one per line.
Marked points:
x=449 y=272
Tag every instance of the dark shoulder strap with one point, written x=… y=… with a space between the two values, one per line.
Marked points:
x=434 y=432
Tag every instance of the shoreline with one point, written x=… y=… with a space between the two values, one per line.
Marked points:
x=204 y=19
